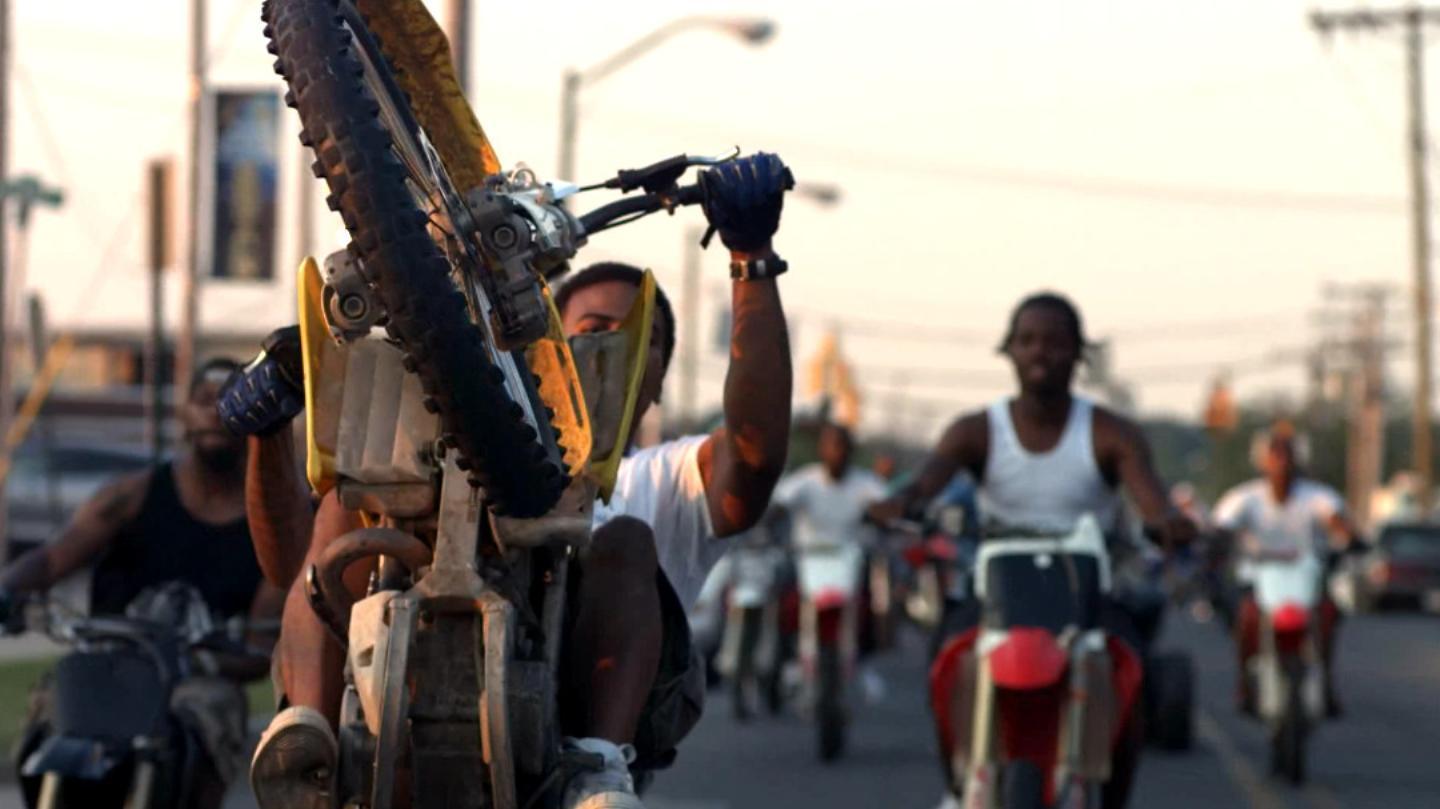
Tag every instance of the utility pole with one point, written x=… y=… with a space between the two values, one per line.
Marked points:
x=7 y=402
x=190 y=278
x=457 y=30
x=1364 y=348
x=1413 y=21
x=158 y=175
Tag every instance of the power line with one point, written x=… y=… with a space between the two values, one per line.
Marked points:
x=1082 y=184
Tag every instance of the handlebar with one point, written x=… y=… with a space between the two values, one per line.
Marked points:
x=623 y=210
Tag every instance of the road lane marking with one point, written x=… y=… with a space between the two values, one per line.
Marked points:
x=1260 y=794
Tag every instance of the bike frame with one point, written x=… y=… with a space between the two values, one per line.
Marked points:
x=829 y=579
x=1020 y=678
x=1288 y=595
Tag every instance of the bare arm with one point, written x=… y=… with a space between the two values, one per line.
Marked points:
x=964 y=445
x=277 y=505
x=90 y=532
x=1342 y=531
x=742 y=460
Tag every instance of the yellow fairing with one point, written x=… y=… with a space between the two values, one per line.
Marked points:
x=324 y=364
x=420 y=54
x=550 y=359
x=636 y=328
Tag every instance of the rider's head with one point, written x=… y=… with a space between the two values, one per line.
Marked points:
x=200 y=421
x=836 y=445
x=1045 y=342
x=1278 y=453
x=599 y=297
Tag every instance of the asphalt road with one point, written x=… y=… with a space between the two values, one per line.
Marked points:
x=1385 y=753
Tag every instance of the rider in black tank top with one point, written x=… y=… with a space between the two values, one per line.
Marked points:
x=165 y=543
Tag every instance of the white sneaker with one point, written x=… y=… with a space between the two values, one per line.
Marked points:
x=610 y=788
x=295 y=762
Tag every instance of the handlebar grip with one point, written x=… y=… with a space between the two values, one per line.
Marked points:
x=689 y=195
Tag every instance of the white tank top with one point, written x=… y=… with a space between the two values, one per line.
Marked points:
x=1047 y=491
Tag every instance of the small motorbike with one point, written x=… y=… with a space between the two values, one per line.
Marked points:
x=939 y=558
x=830 y=586
x=1287 y=675
x=113 y=737
x=1031 y=703
x=752 y=652
x=444 y=402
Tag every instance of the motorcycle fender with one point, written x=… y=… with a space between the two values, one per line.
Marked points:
x=418 y=50
x=1028 y=658
x=70 y=757
x=368 y=642
x=1128 y=677
x=953 y=679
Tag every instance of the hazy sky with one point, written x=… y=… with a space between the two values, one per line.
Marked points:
x=1190 y=173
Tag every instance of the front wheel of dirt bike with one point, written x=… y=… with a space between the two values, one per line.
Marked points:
x=1288 y=744
x=1022 y=786
x=1171 y=691
x=830 y=707
x=390 y=188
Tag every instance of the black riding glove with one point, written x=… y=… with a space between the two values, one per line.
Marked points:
x=261 y=398
x=743 y=199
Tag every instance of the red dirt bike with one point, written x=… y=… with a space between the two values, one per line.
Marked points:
x=1031 y=703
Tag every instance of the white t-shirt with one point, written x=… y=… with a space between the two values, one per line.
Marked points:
x=827 y=511
x=661 y=486
x=1251 y=508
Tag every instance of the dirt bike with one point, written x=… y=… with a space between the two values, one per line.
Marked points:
x=752 y=653
x=828 y=648
x=112 y=736
x=1287 y=676
x=444 y=402
x=1031 y=703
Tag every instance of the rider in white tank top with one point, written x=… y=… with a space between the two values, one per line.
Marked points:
x=1045 y=491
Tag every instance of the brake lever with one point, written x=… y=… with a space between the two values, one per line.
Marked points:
x=662 y=176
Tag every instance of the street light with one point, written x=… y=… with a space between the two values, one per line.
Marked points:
x=753 y=31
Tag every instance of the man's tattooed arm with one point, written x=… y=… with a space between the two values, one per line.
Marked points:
x=89 y=533
x=743 y=459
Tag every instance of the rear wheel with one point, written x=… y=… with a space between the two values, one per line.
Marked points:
x=1172 y=696
x=1022 y=786
x=1288 y=742
x=390 y=190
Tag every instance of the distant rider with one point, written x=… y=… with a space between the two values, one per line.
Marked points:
x=180 y=521
x=1047 y=457
x=1280 y=516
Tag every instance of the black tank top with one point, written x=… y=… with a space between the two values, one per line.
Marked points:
x=164 y=543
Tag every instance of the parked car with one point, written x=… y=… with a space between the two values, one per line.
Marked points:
x=47 y=484
x=1403 y=566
